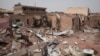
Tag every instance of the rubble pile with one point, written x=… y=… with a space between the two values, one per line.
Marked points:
x=35 y=32
x=32 y=42
x=5 y=41
x=46 y=41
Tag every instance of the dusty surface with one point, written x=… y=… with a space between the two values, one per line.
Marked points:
x=84 y=41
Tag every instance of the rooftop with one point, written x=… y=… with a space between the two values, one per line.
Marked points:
x=29 y=6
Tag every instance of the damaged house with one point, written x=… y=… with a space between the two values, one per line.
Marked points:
x=95 y=19
x=29 y=21
x=28 y=16
x=62 y=22
x=29 y=10
x=22 y=20
x=81 y=13
x=31 y=30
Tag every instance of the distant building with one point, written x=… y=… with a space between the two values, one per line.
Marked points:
x=29 y=16
x=29 y=10
x=4 y=23
x=4 y=18
x=78 y=10
x=95 y=14
x=5 y=12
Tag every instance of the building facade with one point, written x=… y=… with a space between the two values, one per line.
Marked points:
x=93 y=21
x=24 y=20
x=29 y=16
x=78 y=10
x=29 y=10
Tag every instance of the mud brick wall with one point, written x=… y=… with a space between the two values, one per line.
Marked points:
x=94 y=21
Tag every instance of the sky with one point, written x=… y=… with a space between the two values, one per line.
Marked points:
x=53 y=5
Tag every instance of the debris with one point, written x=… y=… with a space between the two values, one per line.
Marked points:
x=42 y=37
x=18 y=35
x=52 y=50
x=76 y=43
x=10 y=54
x=52 y=30
x=88 y=51
x=66 y=32
x=83 y=39
x=14 y=25
x=55 y=52
x=90 y=30
x=30 y=31
x=54 y=42
x=35 y=43
x=37 y=50
x=65 y=42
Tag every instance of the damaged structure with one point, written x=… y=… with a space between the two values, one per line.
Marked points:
x=29 y=15
x=29 y=10
x=6 y=36
x=31 y=31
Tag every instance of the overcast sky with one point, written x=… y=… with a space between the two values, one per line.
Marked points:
x=54 y=5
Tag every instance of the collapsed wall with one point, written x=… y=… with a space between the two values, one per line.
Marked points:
x=52 y=21
x=95 y=21
x=65 y=22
